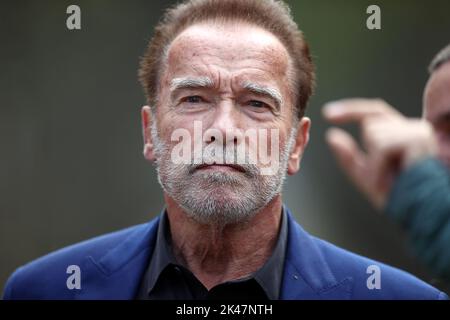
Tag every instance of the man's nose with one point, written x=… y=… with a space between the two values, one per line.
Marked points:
x=226 y=122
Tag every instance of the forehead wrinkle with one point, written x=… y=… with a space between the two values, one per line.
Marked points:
x=205 y=37
x=201 y=52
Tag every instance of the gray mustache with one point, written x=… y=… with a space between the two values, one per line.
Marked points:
x=251 y=170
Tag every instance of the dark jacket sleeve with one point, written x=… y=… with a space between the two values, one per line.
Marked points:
x=420 y=202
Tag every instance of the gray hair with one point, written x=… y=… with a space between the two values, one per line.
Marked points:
x=442 y=57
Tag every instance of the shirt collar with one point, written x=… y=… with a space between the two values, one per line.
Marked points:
x=162 y=254
x=269 y=276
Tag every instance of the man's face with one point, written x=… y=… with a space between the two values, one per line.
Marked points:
x=223 y=81
x=437 y=109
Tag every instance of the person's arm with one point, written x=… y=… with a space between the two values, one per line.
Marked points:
x=397 y=172
x=420 y=202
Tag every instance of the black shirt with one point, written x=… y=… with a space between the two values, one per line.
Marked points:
x=166 y=279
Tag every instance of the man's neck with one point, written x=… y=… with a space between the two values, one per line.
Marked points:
x=219 y=254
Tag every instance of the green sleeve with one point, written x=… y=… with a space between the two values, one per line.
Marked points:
x=420 y=203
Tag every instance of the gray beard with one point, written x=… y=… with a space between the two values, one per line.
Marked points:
x=219 y=198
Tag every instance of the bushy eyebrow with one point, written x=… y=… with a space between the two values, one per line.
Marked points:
x=269 y=92
x=191 y=83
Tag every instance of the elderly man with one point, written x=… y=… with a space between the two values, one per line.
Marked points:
x=219 y=76
x=404 y=170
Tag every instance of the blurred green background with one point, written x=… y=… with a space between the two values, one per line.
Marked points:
x=71 y=164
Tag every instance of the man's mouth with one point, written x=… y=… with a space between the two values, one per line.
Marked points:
x=220 y=167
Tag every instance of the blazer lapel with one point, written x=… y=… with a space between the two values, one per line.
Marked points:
x=306 y=272
x=118 y=273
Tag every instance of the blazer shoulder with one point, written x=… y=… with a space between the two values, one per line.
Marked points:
x=50 y=271
x=373 y=279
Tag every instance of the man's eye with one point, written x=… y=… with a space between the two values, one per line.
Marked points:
x=257 y=104
x=193 y=99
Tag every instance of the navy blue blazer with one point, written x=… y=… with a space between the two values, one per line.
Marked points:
x=112 y=265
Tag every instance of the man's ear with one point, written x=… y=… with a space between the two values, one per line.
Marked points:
x=146 y=116
x=299 y=147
